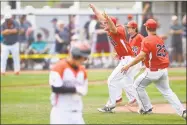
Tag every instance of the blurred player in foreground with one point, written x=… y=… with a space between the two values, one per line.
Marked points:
x=68 y=81
x=124 y=53
x=135 y=41
x=156 y=62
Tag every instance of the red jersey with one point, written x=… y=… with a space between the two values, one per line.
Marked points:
x=135 y=43
x=120 y=43
x=156 y=54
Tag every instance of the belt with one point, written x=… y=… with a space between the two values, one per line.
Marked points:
x=74 y=111
x=123 y=57
x=155 y=69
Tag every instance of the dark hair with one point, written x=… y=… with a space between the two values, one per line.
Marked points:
x=151 y=29
x=39 y=35
x=136 y=30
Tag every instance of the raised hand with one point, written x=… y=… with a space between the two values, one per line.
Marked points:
x=105 y=15
x=91 y=6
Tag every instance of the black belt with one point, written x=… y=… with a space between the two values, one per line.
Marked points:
x=74 y=111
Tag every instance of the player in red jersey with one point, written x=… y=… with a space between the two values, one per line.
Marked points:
x=135 y=41
x=156 y=61
x=117 y=80
x=135 y=38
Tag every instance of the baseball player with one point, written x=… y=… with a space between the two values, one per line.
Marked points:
x=9 y=30
x=117 y=80
x=156 y=62
x=68 y=81
x=135 y=40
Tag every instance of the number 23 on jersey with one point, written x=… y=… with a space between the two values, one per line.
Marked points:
x=161 y=50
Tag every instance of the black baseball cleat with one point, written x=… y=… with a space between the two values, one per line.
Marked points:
x=184 y=114
x=106 y=109
x=141 y=111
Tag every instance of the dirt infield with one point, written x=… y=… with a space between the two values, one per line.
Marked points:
x=157 y=108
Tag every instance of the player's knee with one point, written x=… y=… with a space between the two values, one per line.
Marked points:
x=134 y=87
x=109 y=81
x=138 y=88
x=167 y=92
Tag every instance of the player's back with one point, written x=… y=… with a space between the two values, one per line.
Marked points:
x=158 y=55
x=68 y=77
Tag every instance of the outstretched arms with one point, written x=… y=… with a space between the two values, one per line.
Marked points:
x=97 y=12
x=103 y=17
x=111 y=25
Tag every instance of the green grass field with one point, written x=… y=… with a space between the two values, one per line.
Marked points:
x=22 y=103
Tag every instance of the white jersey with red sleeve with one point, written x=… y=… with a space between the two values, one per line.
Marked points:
x=63 y=74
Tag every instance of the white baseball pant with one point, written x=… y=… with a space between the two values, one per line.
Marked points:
x=160 y=78
x=118 y=81
x=58 y=116
x=5 y=51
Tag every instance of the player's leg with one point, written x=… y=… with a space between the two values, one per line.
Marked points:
x=114 y=87
x=141 y=95
x=128 y=89
x=128 y=82
x=184 y=50
x=174 y=55
x=179 y=52
x=4 y=57
x=56 y=117
x=15 y=56
x=98 y=49
x=163 y=86
x=76 y=118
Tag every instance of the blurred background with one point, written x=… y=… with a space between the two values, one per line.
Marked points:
x=47 y=23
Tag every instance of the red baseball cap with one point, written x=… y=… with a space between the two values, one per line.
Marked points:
x=151 y=23
x=130 y=16
x=132 y=24
x=114 y=19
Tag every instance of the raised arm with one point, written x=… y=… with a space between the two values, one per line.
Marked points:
x=112 y=27
x=97 y=12
x=146 y=8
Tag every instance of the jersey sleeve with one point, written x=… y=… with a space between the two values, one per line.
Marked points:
x=55 y=79
x=121 y=30
x=55 y=76
x=144 y=47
